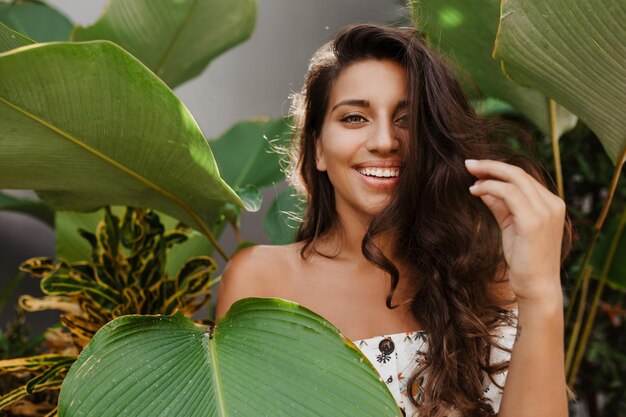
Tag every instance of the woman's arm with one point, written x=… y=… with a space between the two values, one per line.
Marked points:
x=535 y=384
x=531 y=220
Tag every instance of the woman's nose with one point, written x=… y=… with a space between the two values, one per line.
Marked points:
x=383 y=139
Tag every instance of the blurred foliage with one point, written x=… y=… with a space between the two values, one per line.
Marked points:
x=16 y=341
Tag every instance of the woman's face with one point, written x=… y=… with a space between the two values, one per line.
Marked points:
x=360 y=140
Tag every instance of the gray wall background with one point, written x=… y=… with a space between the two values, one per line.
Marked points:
x=253 y=79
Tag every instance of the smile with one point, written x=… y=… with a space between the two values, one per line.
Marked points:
x=380 y=172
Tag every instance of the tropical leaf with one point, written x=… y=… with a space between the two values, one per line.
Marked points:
x=283 y=217
x=24 y=390
x=465 y=32
x=87 y=125
x=248 y=153
x=46 y=373
x=249 y=158
x=33 y=363
x=250 y=196
x=36 y=19
x=10 y=39
x=31 y=207
x=265 y=357
x=176 y=39
x=573 y=51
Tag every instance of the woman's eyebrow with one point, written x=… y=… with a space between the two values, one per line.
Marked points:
x=403 y=104
x=351 y=102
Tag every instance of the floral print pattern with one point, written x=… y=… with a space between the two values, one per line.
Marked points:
x=397 y=356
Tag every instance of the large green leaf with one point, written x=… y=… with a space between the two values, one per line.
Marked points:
x=246 y=155
x=283 y=217
x=87 y=125
x=36 y=19
x=266 y=357
x=465 y=32
x=249 y=158
x=176 y=39
x=34 y=208
x=10 y=39
x=247 y=152
x=573 y=51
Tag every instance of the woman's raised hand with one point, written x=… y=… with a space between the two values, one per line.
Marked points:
x=531 y=219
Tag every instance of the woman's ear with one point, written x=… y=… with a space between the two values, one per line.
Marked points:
x=320 y=163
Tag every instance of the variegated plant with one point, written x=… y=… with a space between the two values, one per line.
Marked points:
x=127 y=274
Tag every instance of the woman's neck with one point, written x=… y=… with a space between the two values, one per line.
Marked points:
x=344 y=242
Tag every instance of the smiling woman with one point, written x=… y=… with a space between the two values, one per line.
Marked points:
x=430 y=272
x=361 y=135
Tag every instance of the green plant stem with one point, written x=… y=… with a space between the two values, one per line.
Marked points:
x=596 y=301
x=596 y=231
x=238 y=237
x=209 y=235
x=585 y=265
x=579 y=318
x=554 y=138
x=612 y=188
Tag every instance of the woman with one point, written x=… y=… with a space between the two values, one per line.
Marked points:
x=419 y=228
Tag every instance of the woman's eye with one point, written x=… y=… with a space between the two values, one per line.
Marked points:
x=353 y=119
x=402 y=121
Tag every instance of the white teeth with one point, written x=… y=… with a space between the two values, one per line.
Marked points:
x=380 y=172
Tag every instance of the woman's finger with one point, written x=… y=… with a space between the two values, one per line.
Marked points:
x=499 y=209
x=486 y=168
x=516 y=201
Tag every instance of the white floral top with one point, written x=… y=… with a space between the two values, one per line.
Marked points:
x=396 y=356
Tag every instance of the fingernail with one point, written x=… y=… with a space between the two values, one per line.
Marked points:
x=471 y=162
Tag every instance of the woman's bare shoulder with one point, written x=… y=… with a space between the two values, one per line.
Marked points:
x=255 y=271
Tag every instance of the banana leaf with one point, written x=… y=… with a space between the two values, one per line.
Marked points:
x=176 y=39
x=10 y=39
x=36 y=19
x=573 y=51
x=31 y=207
x=465 y=32
x=87 y=125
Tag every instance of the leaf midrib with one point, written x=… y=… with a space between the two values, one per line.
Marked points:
x=109 y=160
x=168 y=51
x=219 y=388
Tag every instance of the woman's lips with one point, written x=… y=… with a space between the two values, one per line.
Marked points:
x=380 y=183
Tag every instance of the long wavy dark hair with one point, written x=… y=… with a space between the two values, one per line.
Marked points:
x=446 y=237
